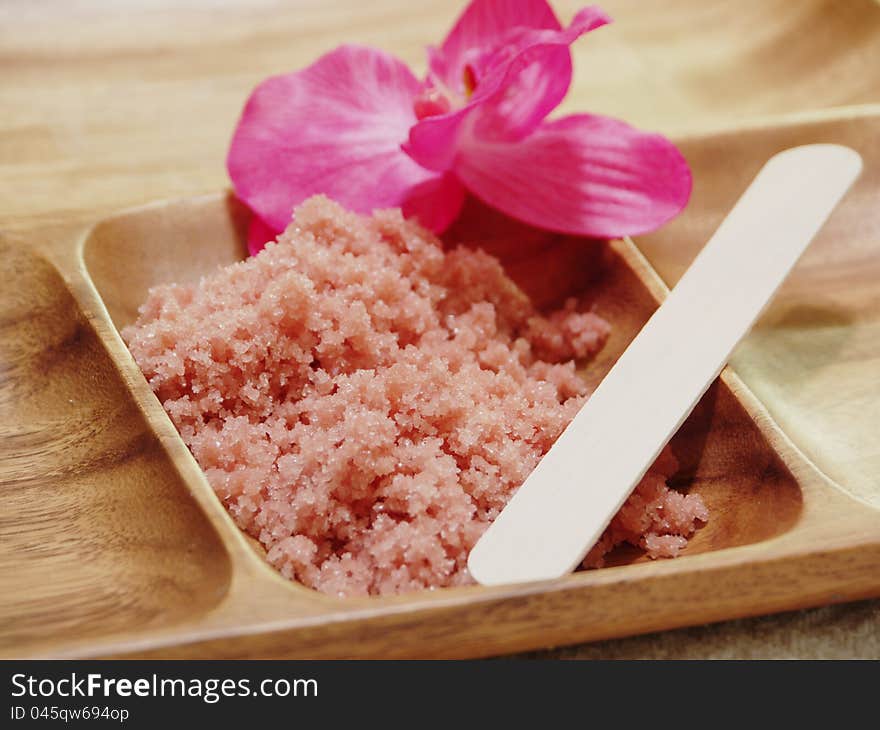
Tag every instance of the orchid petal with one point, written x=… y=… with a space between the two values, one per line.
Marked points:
x=535 y=68
x=335 y=128
x=436 y=202
x=483 y=25
x=586 y=175
x=259 y=234
x=520 y=83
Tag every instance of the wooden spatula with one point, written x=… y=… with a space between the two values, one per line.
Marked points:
x=567 y=502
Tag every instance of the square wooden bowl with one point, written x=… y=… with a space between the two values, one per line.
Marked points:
x=114 y=544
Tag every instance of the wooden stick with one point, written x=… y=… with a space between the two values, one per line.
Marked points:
x=564 y=506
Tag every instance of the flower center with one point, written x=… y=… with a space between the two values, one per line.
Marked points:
x=436 y=98
x=469 y=79
x=430 y=102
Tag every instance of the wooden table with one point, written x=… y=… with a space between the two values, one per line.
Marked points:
x=108 y=104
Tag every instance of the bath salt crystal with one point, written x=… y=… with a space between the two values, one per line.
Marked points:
x=365 y=403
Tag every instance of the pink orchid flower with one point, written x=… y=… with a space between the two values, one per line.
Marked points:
x=359 y=127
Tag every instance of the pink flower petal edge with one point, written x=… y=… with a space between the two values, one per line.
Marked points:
x=585 y=175
x=483 y=25
x=336 y=128
x=259 y=234
x=522 y=83
x=436 y=202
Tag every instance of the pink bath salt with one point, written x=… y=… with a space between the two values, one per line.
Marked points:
x=656 y=518
x=365 y=403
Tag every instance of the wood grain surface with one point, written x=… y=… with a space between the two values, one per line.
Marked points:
x=105 y=107
x=780 y=534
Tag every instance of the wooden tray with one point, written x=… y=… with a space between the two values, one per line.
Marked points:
x=113 y=544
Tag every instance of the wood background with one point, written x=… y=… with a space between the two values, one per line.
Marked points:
x=108 y=104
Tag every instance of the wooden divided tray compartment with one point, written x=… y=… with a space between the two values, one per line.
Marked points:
x=113 y=544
